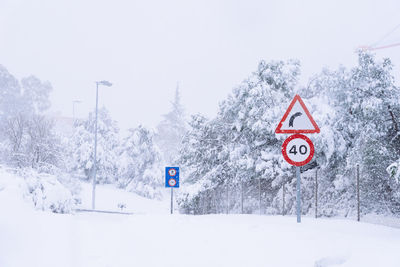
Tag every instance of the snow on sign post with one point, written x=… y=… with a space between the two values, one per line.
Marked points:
x=297 y=149
x=172 y=180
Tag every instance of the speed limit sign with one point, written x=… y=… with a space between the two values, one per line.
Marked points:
x=172 y=172
x=171 y=182
x=298 y=150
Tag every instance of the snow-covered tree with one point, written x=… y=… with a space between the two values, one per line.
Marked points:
x=171 y=130
x=36 y=93
x=27 y=136
x=31 y=96
x=362 y=124
x=140 y=166
x=9 y=92
x=82 y=147
x=370 y=113
x=229 y=155
x=44 y=147
x=30 y=141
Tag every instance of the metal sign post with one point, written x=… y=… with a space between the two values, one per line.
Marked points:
x=298 y=194
x=172 y=180
x=172 y=200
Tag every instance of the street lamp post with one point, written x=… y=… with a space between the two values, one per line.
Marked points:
x=74 y=102
x=106 y=83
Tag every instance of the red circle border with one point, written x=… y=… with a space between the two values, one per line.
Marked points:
x=286 y=157
x=171 y=174
x=170 y=180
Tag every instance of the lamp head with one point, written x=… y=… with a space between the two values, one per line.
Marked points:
x=106 y=83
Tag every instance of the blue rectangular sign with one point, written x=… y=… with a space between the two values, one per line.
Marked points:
x=172 y=177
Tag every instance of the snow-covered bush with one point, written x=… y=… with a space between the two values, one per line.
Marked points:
x=58 y=194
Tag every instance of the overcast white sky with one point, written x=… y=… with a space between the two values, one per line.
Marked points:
x=145 y=47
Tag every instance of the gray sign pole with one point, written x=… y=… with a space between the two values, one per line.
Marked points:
x=298 y=195
x=172 y=200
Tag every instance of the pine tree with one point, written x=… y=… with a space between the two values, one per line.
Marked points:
x=171 y=130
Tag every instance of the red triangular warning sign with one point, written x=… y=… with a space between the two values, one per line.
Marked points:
x=297 y=119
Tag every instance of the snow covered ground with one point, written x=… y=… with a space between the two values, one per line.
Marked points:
x=108 y=198
x=153 y=237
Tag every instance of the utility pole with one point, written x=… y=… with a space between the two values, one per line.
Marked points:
x=73 y=108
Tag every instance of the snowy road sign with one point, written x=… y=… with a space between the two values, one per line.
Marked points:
x=297 y=119
x=172 y=177
x=298 y=150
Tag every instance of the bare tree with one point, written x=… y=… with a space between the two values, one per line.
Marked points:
x=14 y=130
x=43 y=147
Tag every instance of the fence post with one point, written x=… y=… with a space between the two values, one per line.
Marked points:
x=316 y=193
x=241 y=195
x=358 y=192
x=259 y=194
x=283 y=198
x=227 y=198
